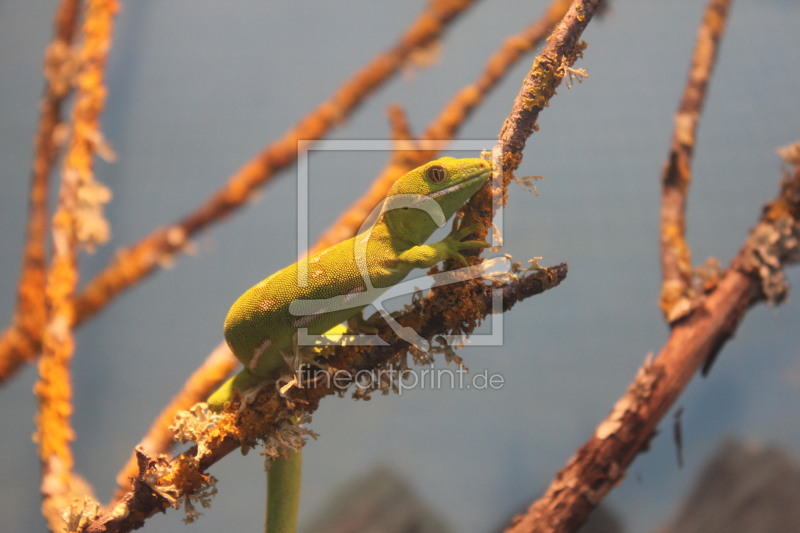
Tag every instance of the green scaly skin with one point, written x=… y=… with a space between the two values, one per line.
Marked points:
x=260 y=329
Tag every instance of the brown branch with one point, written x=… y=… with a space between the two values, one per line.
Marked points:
x=400 y=129
x=549 y=68
x=135 y=262
x=496 y=67
x=439 y=312
x=53 y=389
x=31 y=314
x=677 y=293
x=268 y=410
x=755 y=275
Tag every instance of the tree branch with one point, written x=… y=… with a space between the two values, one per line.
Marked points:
x=549 y=68
x=75 y=223
x=755 y=275
x=159 y=438
x=23 y=338
x=677 y=293
x=540 y=84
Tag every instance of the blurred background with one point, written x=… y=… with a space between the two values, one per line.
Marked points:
x=197 y=87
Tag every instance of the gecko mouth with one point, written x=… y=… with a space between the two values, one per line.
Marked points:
x=479 y=175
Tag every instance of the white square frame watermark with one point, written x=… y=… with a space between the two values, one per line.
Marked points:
x=408 y=286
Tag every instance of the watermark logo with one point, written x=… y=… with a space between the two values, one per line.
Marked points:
x=400 y=380
x=376 y=297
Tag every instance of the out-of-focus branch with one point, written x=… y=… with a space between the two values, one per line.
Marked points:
x=76 y=222
x=24 y=336
x=136 y=261
x=754 y=275
x=677 y=292
x=267 y=411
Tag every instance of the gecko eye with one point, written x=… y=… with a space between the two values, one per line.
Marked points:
x=435 y=173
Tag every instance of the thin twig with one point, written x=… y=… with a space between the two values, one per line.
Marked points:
x=677 y=293
x=53 y=389
x=31 y=314
x=549 y=68
x=137 y=261
x=755 y=275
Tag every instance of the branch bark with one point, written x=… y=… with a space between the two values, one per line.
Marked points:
x=549 y=68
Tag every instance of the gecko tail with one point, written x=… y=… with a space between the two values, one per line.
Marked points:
x=283 y=493
x=240 y=382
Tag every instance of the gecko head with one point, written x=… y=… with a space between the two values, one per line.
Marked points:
x=450 y=182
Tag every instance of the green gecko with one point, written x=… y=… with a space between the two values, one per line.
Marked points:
x=335 y=284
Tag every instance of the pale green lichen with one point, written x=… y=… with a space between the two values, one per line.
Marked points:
x=289 y=436
x=770 y=246
x=80 y=514
x=790 y=153
x=517 y=272
x=528 y=183
x=571 y=74
x=203 y=497
x=193 y=425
